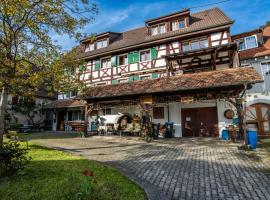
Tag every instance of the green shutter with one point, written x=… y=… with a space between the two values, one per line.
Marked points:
x=136 y=57
x=136 y=78
x=130 y=79
x=68 y=94
x=154 y=76
x=130 y=58
x=115 y=82
x=114 y=62
x=97 y=65
x=154 y=53
x=69 y=115
x=80 y=68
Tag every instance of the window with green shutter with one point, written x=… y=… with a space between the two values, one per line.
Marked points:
x=114 y=82
x=136 y=57
x=68 y=94
x=130 y=79
x=114 y=62
x=154 y=53
x=133 y=57
x=97 y=65
x=136 y=78
x=154 y=76
x=130 y=58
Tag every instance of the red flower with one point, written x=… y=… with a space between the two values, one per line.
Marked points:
x=88 y=173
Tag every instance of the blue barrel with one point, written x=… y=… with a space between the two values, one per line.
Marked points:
x=225 y=135
x=252 y=139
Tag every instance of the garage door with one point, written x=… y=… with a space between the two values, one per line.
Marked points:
x=199 y=122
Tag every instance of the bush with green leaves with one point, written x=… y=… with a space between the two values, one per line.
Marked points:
x=13 y=158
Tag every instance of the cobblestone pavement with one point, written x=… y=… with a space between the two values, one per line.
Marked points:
x=197 y=168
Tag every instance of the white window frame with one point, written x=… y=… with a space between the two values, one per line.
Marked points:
x=177 y=23
x=125 y=54
x=195 y=40
x=106 y=58
x=93 y=45
x=245 y=38
x=158 y=29
x=150 y=57
x=101 y=41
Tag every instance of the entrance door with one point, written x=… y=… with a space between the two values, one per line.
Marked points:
x=61 y=120
x=199 y=122
x=258 y=117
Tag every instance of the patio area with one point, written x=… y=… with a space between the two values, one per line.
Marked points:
x=187 y=168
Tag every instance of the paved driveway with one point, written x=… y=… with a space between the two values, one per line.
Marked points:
x=177 y=169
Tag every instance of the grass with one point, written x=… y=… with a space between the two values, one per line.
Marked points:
x=53 y=174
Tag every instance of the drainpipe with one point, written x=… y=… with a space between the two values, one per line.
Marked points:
x=168 y=112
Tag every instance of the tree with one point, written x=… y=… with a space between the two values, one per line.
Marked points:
x=29 y=58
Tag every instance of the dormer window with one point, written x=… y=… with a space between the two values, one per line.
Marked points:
x=247 y=42
x=158 y=29
x=102 y=44
x=90 y=47
x=179 y=24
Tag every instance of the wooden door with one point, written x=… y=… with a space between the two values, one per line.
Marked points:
x=200 y=122
x=258 y=117
x=61 y=120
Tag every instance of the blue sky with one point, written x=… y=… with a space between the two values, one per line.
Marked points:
x=119 y=16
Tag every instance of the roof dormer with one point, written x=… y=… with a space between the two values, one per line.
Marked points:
x=99 y=41
x=171 y=22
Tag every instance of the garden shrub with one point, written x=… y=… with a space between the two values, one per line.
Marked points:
x=12 y=158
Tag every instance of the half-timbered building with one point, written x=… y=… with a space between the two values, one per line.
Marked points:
x=184 y=64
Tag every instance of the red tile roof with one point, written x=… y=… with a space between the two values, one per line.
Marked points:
x=184 y=82
x=66 y=103
x=200 y=21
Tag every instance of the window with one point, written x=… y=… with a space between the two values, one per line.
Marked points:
x=107 y=111
x=123 y=59
x=106 y=63
x=247 y=42
x=145 y=77
x=162 y=29
x=182 y=24
x=154 y=30
x=265 y=68
x=145 y=55
x=91 y=47
x=195 y=44
x=251 y=42
x=14 y=100
x=75 y=115
x=176 y=25
x=159 y=29
x=102 y=44
x=73 y=93
x=158 y=112
x=186 y=47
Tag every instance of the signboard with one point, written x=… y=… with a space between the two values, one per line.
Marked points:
x=148 y=99
x=187 y=100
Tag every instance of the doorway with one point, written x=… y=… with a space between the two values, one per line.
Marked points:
x=61 y=120
x=258 y=118
x=199 y=122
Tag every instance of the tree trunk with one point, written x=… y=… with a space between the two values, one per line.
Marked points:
x=3 y=105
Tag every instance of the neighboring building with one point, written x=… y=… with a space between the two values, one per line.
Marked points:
x=26 y=111
x=254 y=50
x=180 y=61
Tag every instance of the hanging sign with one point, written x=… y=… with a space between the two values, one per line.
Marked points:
x=147 y=99
x=187 y=100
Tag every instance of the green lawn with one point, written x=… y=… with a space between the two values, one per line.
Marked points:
x=58 y=175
